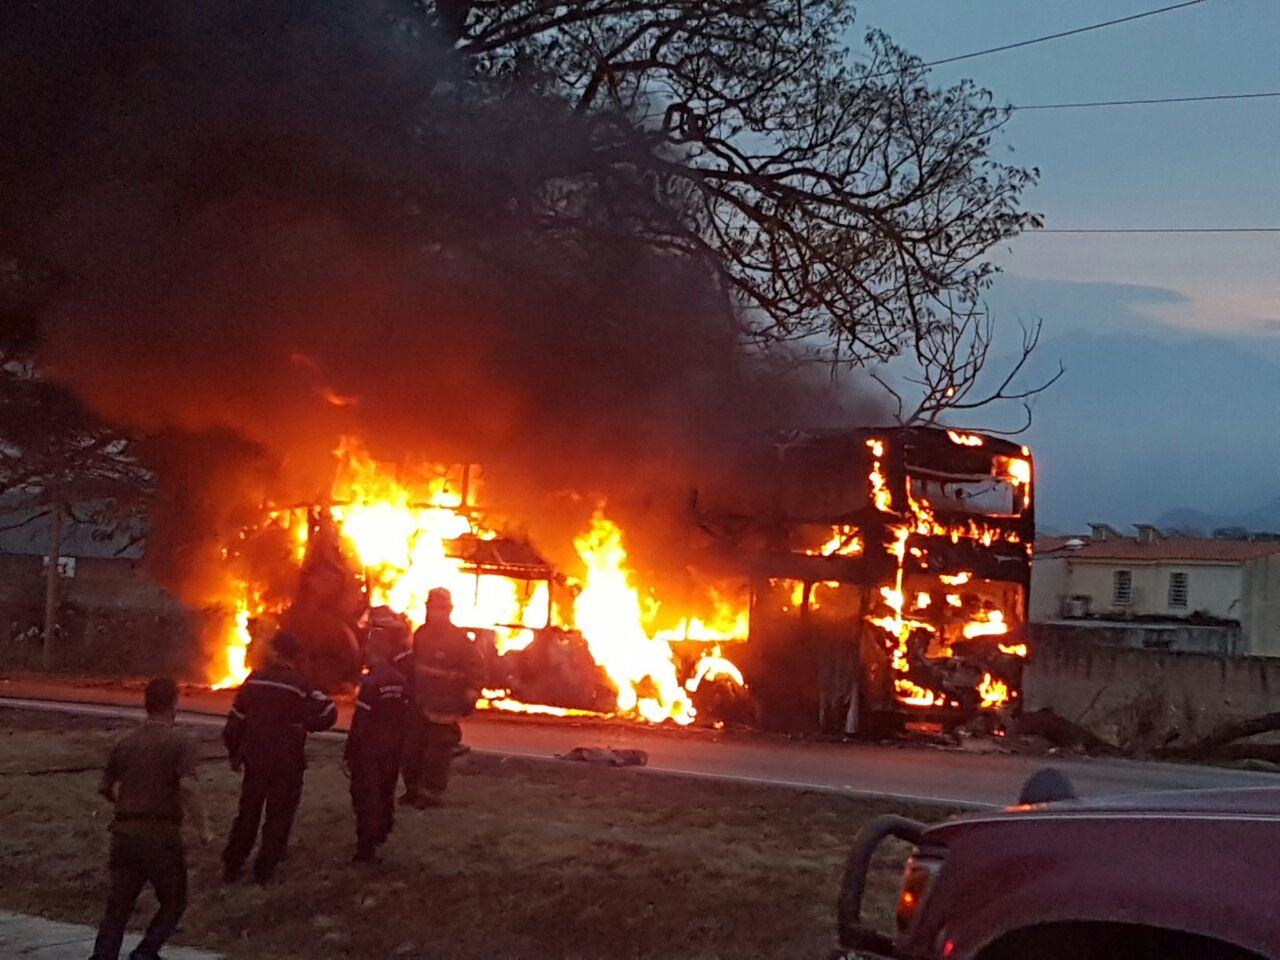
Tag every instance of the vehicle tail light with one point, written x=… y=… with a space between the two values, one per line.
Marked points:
x=917 y=879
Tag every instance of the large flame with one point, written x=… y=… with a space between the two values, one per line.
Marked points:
x=397 y=533
x=609 y=614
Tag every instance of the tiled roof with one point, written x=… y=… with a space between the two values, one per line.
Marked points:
x=1193 y=549
x=1046 y=543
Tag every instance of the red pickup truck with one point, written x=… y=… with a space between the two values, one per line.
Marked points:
x=1186 y=875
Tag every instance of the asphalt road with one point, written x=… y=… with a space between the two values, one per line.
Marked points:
x=958 y=777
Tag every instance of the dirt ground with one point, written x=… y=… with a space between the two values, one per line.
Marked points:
x=528 y=859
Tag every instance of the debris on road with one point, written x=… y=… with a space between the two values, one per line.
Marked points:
x=606 y=756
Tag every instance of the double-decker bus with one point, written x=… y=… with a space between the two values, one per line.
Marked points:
x=888 y=572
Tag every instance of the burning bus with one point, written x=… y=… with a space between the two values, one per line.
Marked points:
x=860 y=577
x=889 y=574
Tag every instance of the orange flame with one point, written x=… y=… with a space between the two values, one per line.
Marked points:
x=398 y=534
x=965 y=439
x=989 y=623
x=994 y=692
x=900 y=628
x=844 y=541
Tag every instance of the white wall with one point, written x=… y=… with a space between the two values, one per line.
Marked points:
x=1213 y=589
x=1261 y=620
x=1048 y=587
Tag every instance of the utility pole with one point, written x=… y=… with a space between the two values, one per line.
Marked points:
x=51 y=581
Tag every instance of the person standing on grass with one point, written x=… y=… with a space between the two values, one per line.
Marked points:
x=372 y=755
x=448 y=672
x=266 y=735
x=150 y=778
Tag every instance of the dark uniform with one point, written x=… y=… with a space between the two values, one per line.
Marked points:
x=373 y=753
x=266 y=731
x=146 y=834
x=448 y=672
x=402 y=662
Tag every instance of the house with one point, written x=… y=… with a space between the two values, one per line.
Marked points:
x=113 y=617
x=97 y=568
x=1153 y=590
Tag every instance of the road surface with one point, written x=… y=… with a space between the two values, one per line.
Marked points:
x=955 y=777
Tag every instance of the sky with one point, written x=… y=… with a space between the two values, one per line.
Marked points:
x=1170 y=165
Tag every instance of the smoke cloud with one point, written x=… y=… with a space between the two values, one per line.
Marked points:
x=276 y=223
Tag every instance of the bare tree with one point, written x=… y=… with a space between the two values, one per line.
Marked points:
x=839 y=199
x=60 y=464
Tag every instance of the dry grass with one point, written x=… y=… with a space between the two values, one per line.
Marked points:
x=527 y=860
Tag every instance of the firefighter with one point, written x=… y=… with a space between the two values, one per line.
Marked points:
x=265 y=735
x=448 y=671
x=150 y=779
x=372 y=755
x=392 y=633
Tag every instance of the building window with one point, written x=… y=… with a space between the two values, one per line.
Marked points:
x=1122 y=588
x=1178 y=590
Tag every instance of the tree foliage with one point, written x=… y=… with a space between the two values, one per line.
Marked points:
x=838 y=200
x=56 y=455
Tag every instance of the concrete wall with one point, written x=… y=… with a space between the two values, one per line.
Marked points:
x=1138 y=696
x=1178 y=636
x=1260 y=615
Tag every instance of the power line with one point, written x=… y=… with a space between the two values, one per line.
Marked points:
x=1126 y=103
x=1153 y=230
x=1064 y=33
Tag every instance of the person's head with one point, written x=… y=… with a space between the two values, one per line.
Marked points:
x=286 y=649
x=440 y=605
x=161 y=698
x=382 y=643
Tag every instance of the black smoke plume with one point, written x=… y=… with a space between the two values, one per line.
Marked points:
x=277 y=222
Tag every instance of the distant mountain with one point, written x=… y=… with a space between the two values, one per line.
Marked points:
x=1142 y=426
x=1263 y=519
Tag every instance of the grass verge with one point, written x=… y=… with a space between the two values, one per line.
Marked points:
x=527 y=860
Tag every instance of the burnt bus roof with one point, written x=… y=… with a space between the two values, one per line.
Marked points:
x=904 y=437
x=804 y=479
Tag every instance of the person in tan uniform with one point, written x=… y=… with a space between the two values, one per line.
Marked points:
x=150 y=779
